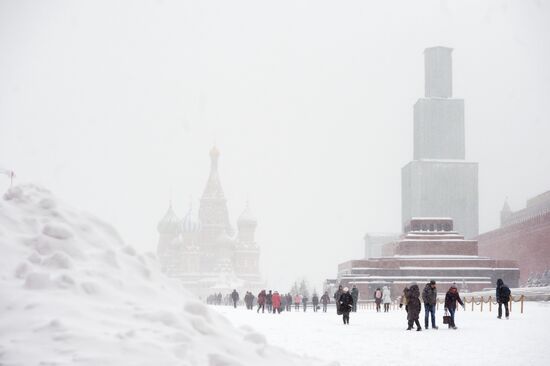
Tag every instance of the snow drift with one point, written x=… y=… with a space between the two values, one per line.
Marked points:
x=73 y=293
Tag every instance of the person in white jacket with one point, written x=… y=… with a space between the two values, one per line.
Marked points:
x=386 y=299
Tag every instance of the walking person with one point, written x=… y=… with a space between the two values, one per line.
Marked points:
x=404 y=300
x=276 y=300
x=304 y=302
x=235 y=298
x=451 y=298
x=429 y=297
x=315 y=302
x=297 y=302
x=283 y=302
x=355 y=297
x=337 y=295
x=269 y=301
x=503 y=298
x=345 y=304
x=261 y=301
x=413 y=300
x=378 y=298
x=288 y=302
x=325 y=300
x=386 y=299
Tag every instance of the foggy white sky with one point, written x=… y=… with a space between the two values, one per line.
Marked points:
x=111 y=104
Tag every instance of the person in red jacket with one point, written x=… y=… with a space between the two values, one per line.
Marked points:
x=297 y=302
x=261 y=301
x=276 y=300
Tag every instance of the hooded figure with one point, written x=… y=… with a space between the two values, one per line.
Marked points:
x=413 y=302
x=503 y=298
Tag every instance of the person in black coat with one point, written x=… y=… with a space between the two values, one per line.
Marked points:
x=413 y=302
x=337 y=295
x=235 y=298
x=345 y=304
x=304 y=302
x=503 y=298
x=355 y=296
x=315 y=302
x=269 y=301
x=325 y=299
x=451 y=298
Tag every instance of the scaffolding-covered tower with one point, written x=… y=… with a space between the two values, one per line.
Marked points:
x=439 y=182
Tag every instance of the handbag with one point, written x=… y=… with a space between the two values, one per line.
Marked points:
x=446 y=318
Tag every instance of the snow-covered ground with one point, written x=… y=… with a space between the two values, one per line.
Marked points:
x=381 y=339
x=73 y=293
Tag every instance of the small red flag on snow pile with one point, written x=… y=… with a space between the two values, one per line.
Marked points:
x=9 y=173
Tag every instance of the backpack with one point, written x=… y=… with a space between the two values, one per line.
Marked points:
x=506 y=292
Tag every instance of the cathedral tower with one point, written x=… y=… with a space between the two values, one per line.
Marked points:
x=216 y=231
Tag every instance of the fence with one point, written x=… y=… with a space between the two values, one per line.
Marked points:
x=475 y=301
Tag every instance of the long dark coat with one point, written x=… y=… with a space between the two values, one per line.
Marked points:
x=345 y=302
x=413 y=301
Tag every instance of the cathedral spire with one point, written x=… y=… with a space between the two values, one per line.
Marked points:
x=213 y=189
x=213 y=213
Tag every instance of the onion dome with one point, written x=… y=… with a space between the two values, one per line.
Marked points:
x=190 y=223
x=170 y=224
x=247 y=218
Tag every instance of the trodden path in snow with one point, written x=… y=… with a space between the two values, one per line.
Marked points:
x=381 y=339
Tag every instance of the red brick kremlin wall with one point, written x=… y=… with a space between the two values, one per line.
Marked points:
x=528 y=242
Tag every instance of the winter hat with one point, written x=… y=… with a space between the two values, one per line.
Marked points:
x=432 y=282
x=346 y=289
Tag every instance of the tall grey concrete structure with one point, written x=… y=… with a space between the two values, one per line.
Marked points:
x=439 y=182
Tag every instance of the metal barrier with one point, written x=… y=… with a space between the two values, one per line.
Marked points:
x=490 y=300
x=371 y=305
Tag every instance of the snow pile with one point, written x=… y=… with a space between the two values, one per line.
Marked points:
x=73 y=293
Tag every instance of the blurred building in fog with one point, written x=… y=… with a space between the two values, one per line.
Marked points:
x=375 y=241
x=204 y=251
x=523 y=235
x=439 y=182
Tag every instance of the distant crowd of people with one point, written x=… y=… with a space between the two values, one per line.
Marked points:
x=346 y=302
x=272 y=301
